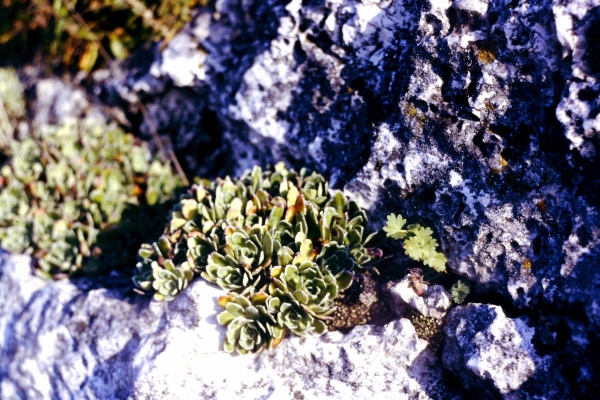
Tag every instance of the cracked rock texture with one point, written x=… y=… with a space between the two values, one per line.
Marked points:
x=481 y=117
x=81 y=339
x=494 y=355
x=478 y=116
x=434 y=302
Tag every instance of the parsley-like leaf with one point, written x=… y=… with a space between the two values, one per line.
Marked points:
x=436 y=261
x=419 y=243
x=394 y=227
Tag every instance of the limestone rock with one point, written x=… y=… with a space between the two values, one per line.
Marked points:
x=576 y=25
x=494 y=355
x=452 y=111
x=98 y=340
x=479 y=117
x=58 y=100
x=434 y=302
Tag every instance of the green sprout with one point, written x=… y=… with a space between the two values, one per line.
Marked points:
x=460 y=290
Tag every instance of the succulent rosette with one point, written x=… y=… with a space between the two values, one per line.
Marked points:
x=276 y=231
x=250 y=326
x=313 y=287
x=169 y=279
x=292 y=315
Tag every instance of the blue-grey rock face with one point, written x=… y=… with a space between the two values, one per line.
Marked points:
x=481 y=117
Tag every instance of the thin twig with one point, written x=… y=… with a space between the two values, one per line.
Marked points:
x=113 y=66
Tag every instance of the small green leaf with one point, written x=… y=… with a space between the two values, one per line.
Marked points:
x=225 y=318
x=301 y=296
x=285 y=255
x=117 y=47
x=394 y=226
x=344 y=280
x=460 y=291
x=436 y=261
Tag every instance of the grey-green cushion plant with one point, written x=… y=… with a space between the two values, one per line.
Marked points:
x=75 y=196
x=277 y=234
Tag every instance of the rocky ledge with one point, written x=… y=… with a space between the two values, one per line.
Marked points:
x=83 y=339
x=480 y=117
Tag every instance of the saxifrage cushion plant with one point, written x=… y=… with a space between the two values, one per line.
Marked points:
x=75 y=197
x=280 y=242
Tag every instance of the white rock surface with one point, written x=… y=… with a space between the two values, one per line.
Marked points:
x=434 y=303
x=493 y=354
x=72 y=339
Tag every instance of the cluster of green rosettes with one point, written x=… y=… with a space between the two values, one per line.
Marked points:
x=280 y=242
x=65 y=190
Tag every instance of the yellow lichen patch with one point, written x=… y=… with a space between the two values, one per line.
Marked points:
x=527 y=263
x=503 y=162
x=411 y=110
x=486 y=57
x=414 y=116
x=488 y=53
x=541 y=206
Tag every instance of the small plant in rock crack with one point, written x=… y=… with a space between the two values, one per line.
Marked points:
x=419 y=243
x=460 y=290
x=421 y=246
x=77 y=197
x=280 y=242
